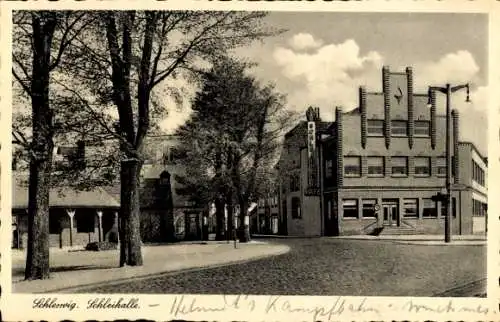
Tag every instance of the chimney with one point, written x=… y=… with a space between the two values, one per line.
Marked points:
x=318 y=117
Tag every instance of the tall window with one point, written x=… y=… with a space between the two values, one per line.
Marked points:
x=478 y=173
x=429 y=209
x=399 y=128
x=352 y=166
x=399 y=166
x=375 y=127
x=422 y=128
x=296 y=210
x=369 y=208
x=441 y=166
x=329 y=169
x=375 y=166
x=422 y=166
x=294 y=183
x=350 y=207
x=410 y=208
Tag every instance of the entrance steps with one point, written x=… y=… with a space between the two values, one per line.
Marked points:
x=394 y=230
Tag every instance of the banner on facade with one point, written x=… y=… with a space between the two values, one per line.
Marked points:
x=311 y=138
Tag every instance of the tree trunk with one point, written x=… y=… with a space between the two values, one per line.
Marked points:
x=243 y=227
x=230 y=217
x=37 y=261
x=220 y=233
x=130 y=234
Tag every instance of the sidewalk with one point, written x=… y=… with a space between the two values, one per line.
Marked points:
x=432 y=240
x=77 y=269
x=402 y=239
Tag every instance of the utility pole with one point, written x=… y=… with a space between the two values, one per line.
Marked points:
x=448 y=90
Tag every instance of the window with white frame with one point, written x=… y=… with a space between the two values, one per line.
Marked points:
x=429 y=208
x=375 y=166
x=399 y=128
x=410 y=208
x=422 y=166
x=350 y=207
x=375 y=127
x=369 y=208
x=352 y=166
x=422 y=128
x=399 y=166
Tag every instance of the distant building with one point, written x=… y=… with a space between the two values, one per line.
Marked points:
x=375 y=169
x=75 y=217
x=79 y=217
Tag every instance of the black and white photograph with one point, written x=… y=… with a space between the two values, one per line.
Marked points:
x=247 y=153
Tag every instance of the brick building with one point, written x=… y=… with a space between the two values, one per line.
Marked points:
x=375 y=169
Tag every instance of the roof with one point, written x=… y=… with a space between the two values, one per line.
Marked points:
x=63 y=197
x=301 y=128
x=353 y=111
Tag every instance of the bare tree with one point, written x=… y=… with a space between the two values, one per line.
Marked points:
x=47 y=35
x=145 y=49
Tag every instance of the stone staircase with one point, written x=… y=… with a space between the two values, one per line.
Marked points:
x=394 y=230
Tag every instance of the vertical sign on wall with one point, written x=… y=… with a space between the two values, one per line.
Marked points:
x=311 y=147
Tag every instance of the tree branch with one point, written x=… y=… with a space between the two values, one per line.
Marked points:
x=25 y=87
x=165 y=73
x=144 y=89
x=65 y=42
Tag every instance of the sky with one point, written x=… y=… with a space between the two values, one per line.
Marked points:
x=323 y=58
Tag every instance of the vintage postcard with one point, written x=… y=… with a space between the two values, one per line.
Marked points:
x=234 y=160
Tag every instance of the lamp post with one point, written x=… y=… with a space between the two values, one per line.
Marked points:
x=448 y=90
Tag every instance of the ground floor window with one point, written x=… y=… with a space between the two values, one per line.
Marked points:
x=410 y=208
x=296 y=210
x=369 y=208
x=478 y=208
x=180 y=225
x=429 y=209
x=350 y=207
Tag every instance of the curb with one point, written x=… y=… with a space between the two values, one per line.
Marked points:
x=284 y=237
x=160 y=274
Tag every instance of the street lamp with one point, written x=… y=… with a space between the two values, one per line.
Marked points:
x=448 y=90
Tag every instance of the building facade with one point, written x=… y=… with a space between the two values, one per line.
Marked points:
x=376 y=168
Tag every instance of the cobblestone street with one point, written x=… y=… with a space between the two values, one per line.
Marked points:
x=331 y=267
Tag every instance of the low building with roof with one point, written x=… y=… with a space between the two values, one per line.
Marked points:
x=79 y=217
x=75 y=217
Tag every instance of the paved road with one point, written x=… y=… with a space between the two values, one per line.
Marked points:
x=331 y=267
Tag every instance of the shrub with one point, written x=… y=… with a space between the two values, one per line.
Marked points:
x=97 y=246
